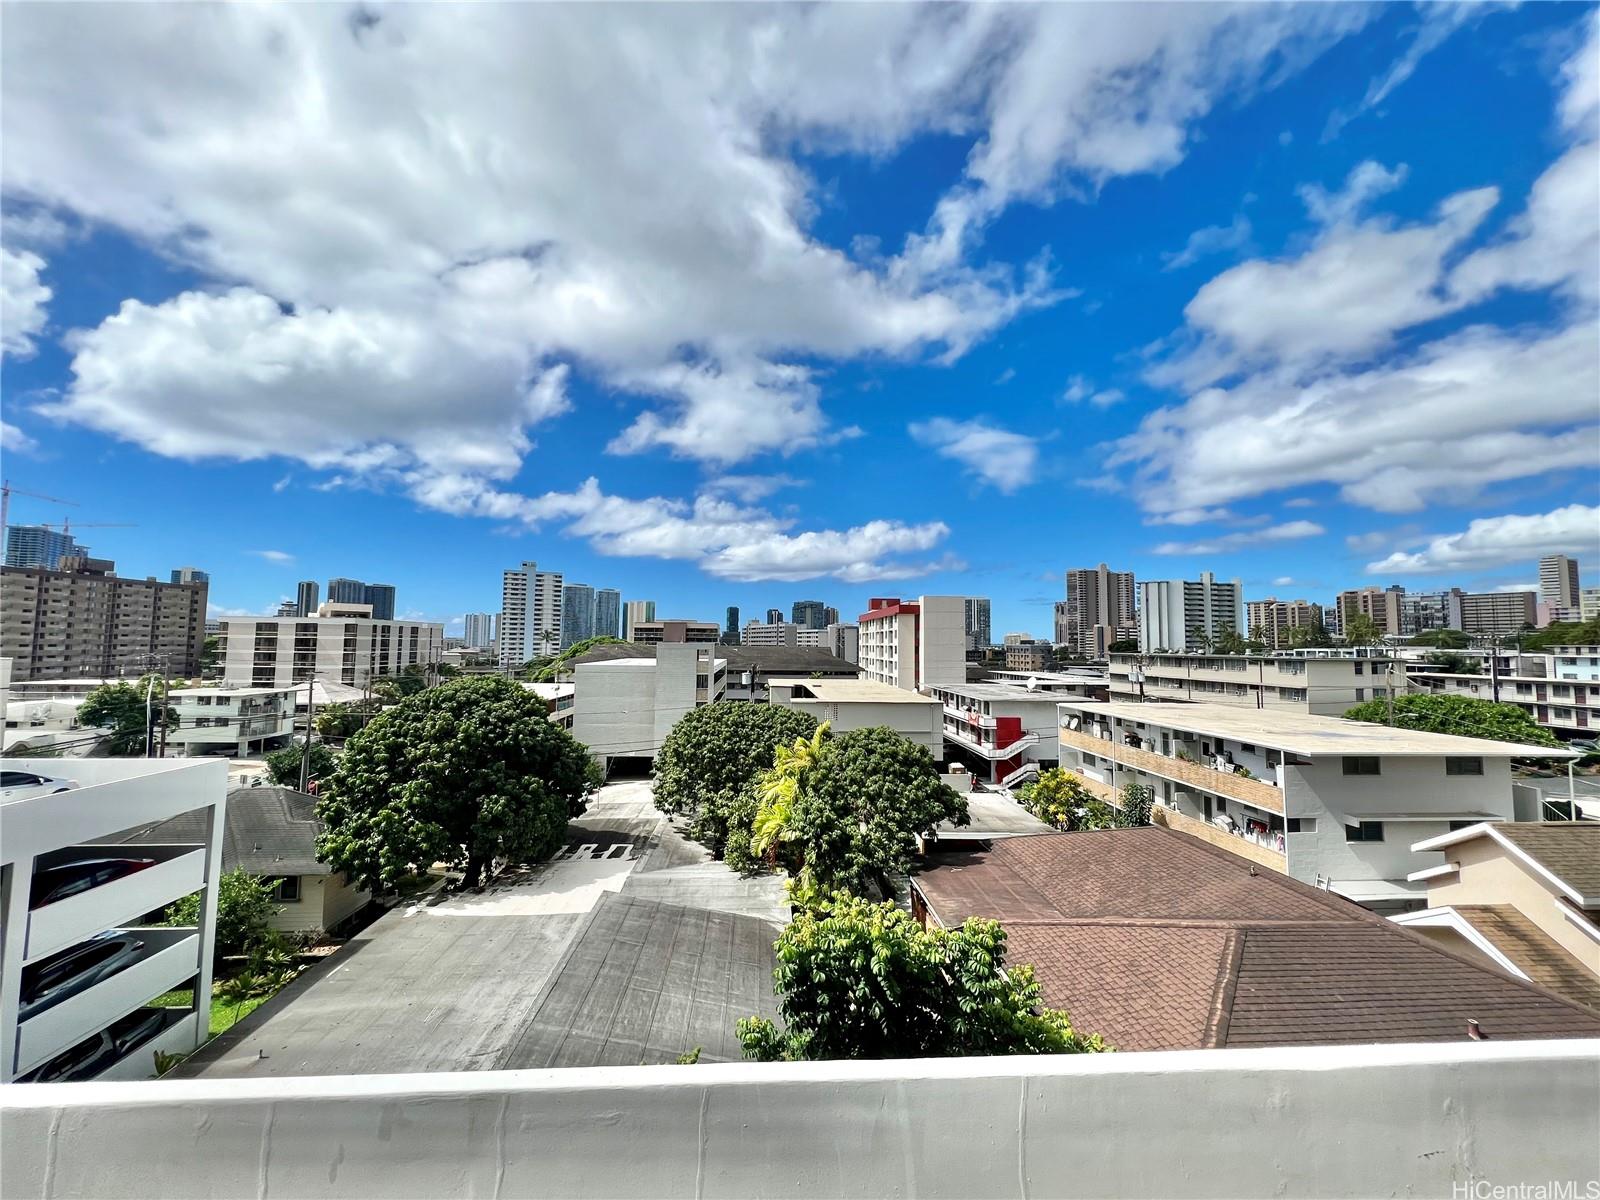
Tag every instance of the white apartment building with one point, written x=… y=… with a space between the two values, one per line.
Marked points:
x=1175 y=613
x=783 y=633
x=636 y=612
x=1003 y=732
x=1331 y=802
x=1326 y=684
x=914 y=644
x=848 y=704
x=1558 y=583
x=562 y=699
x=42 y=832
x=268 y=652
x=1559 y=688
x=530 y=614
x=478 y=630
x=239 y=722
x=1589 y=604
x=623 y=708
x=842 y=641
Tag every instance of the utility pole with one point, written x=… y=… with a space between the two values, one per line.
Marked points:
x=1494 y=668
x=1388 y=686
x=311 y=712
x=149 y=732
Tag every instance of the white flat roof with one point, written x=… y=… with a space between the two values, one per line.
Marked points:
x=854 y=691
x=1303 y=733
x=999 y=691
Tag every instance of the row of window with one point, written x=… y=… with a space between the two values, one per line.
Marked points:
x=1369 y=764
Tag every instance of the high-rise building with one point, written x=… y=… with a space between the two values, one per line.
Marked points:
x=634 y=613
x=651 y=632
x=914 y=644
x=978 y=631
x=347 y=591
x=306 y=598
x=730 y=627
x=40 y=546
x=477 y=630
x=830 y=615
x=268 y=652
x=1180 y=614
x=381 y=597
x=774 y=616
x=607 y=612
x=577 y=614
x=530 y=614
x=1384 y=606
x=84 y=622
x=843 y=641
x=1498 y=612
x=190 y=575
x=1271 y=620
x=1098 y=611
x=1558 y=585
x=810 y=614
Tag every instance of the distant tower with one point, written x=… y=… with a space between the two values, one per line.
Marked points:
x=306 y=598
x=730 y=630
x=607 y=612
x=346 y=591
x=774 y=616
x=577 y=614
x=381 y=597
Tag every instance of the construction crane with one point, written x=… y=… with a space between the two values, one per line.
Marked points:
x=66 y=526
x=5 y=501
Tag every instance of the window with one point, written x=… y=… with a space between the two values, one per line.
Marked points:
x=1455 y=825
x=1222 y=805
x=1361 y=694
x=1302 y=824
x=1359 y=667
x=1364 y=831
x=1463 y=766
x=1361 y=764
x=286 y=889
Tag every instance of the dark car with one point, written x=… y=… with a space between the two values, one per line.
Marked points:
x=68 y=879
x=61 y=976
x=94 y=1054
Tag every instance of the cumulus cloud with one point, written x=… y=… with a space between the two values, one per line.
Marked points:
x=1080 y=391
x=23 y=297
x=281 y=557
x=1286 y=532
x=1213 y=239
x=751 y=488
x=1498 y=541
x=15 y=441
x=998 y=457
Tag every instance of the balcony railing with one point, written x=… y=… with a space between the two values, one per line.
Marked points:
x=971 y=741
x=1221 y=783
x=1246 y=846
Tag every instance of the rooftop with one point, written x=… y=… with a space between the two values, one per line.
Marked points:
x=1305 y=733
x=268 y=831
x=1000 y=691
x=1158 y=941
x=768 y=660
x=1567 y=852
x=852 y=691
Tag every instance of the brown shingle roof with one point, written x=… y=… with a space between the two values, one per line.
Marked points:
x=1158 y=941
x=1534 y=952
x=1569 y=850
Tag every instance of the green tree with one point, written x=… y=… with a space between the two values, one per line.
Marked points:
x=1463 y=716
x=208 y=654
x=244 y=911
x=859 y=808
x=1302 y=637
x=778 y=790
x=461 y=774
x=283 y=766
x=120 y=707
x=337 y=720
x=1453 y=663
x=1362 y=630
x=1443 y=639
x=1230 y=641
x=548 y=669
x=1137 y=800
x=862 y=980
x=1562 y=633
x=1124 y=646
x=709 y=762
x=1057 y=797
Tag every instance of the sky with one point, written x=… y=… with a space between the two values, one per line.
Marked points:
x=745 y=304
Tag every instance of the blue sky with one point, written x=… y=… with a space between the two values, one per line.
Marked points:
x=742 y=305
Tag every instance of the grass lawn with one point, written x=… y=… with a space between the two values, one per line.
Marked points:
x=224 y=1015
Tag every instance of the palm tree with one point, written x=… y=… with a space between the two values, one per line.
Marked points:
x=779 y=788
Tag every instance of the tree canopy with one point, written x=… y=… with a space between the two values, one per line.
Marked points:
x=863 y=980
x=859 y=801
x=1123 y=646
x=1362 y=630
x=244 y=911
x=1443 y=639
x=1062 y=799
x=120 y=708
x=1307 y=636
x=463 y=774
x=708 y=765
x=283 y=766
x=545 y=670
x=1453 y=663
x=1561 y=633
x=1463 y=716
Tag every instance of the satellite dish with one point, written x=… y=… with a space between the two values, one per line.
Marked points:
x=1033 y=683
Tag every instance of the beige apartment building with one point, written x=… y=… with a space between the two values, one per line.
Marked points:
x=85 y=621
x=1272 y=619
x=267 y=652
x=1325 y=683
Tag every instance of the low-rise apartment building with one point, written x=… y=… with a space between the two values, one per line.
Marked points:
x=1524 y=895
x=240 y=722
x=623 y=708
x=1331 y=802
x=1559 y=688
x=1004 y=733
x=651 y=633
x=1310 y=683
x=849 y=704
x=1029 y=656
x=759 y=633
x=272 y=652
x=914 y=644
x=562 y=699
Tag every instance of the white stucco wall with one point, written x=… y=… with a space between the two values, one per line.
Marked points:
x=1324 y=1121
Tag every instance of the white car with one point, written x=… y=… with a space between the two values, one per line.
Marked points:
x=14 y=785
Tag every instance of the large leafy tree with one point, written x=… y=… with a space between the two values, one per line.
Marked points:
x=244 y=911
x=283 y=766
x=1304 y=636
x=1460 y=715
x=859 y=806
x=1561 y=633
x=862 y=980
x=708 y=765
x=120 y=708
x=1450 y=661
x=462 y=774
x=1443 y=639
x=1123 y=646
x=1058 y=798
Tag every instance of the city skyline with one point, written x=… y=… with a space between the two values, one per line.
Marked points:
x=1232 y=319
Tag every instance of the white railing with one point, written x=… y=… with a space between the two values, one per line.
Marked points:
x=1021 y=773
x=965 y=738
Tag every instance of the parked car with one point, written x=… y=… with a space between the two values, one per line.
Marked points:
x=94 y=1054
x=75 y=969
x=14 y=785
x=68 y=879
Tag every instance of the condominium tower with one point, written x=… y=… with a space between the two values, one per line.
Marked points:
x=1099 y=610
x=634 y=613
x=530 y=614
x=1181 y=614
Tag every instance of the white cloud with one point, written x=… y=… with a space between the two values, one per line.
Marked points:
x=1517 y=587
x=1213 y=239
x=998 y=457
x=23 y=297
x=1498 y=541
x=1191 y=516
x=280 y=557
x=1283 y=581
x=1288 y=531
x=1300 y=502
x=1005 y=376
x=1080 y=391
x=14 y=441
x=751 y=488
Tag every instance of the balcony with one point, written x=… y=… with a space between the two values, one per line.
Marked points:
x=1218 y=783
x=1237 y=842
x=970 y=739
